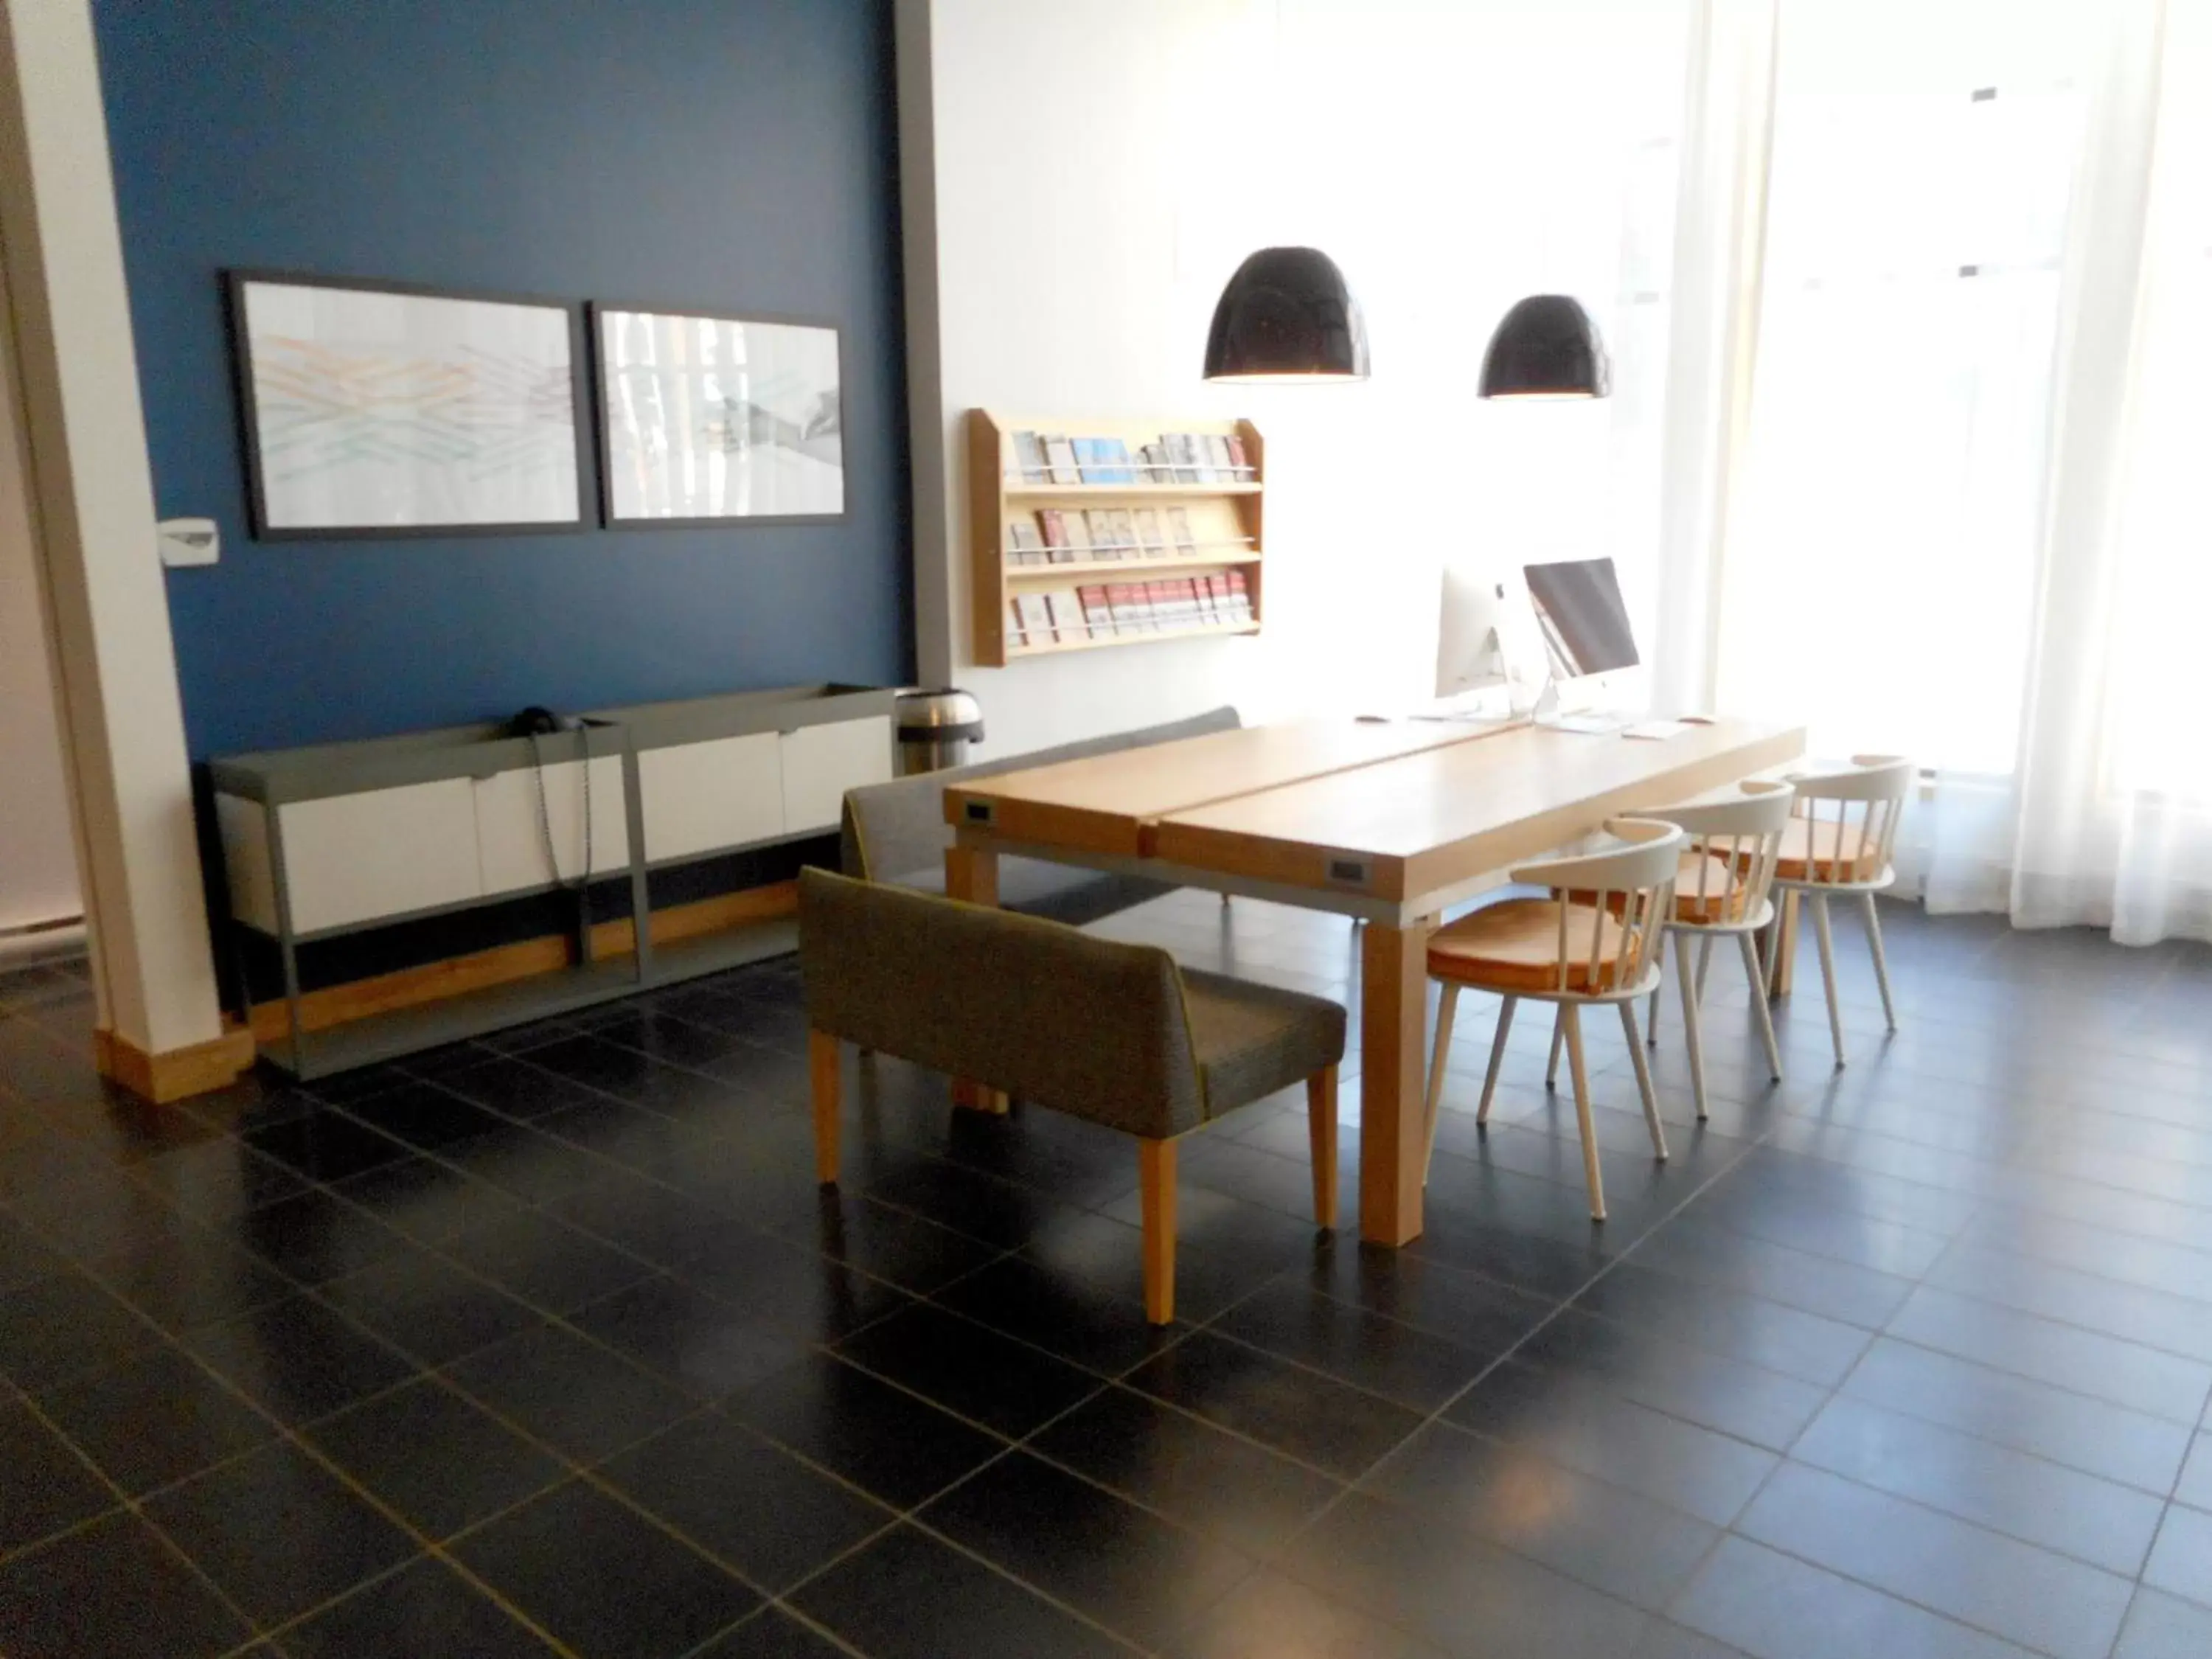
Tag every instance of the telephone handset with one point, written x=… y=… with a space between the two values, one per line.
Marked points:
x=534 y=723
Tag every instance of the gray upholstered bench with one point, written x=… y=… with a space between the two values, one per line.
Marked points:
x=1114 y=1034
x=896 y=832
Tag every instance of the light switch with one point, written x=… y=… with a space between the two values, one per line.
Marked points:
x=188 y=541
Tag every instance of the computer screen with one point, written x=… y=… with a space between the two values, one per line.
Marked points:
x=1580 y=614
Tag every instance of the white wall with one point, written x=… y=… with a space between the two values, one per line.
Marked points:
x=1081 y=178
x=1072 y=279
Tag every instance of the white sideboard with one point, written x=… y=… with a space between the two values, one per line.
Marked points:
x=362 y=856
x=341 y=837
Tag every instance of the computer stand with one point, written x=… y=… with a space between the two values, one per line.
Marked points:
x=1546 y=713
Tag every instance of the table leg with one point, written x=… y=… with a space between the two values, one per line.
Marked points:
x=1393 y=1024
x=973 y=875
x=1785 y=944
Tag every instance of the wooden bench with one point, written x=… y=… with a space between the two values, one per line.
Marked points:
x=1114 y=1034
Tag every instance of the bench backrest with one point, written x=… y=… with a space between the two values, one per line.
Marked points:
x=891 y=830
x=1049 y=1014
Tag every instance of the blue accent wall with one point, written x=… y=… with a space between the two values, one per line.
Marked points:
x=727 y=154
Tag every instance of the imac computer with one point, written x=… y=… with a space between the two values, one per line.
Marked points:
x=1589 y=648
x=1470 y=634
x=1488 y=661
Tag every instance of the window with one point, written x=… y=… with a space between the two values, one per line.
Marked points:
x=1881 y=579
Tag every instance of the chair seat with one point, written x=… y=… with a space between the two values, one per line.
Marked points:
x=1812 y=853
x=1255 y=1039
x=1515 y=946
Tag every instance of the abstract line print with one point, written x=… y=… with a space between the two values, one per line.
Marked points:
x=719 y=417
x=387 y=410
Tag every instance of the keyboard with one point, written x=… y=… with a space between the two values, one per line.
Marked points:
x=1599 y=726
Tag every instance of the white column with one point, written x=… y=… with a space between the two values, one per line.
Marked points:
x=92 y=506
x=38 y=883
x=932 y=446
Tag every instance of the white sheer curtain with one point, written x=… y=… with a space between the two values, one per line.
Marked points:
x=1955 y=508
x=1720 y=227
x=2115 y=780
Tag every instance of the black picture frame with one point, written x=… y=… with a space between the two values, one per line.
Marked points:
x=234 y=285
x=595 y=311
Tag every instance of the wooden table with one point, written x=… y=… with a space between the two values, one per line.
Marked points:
x=1391 y=823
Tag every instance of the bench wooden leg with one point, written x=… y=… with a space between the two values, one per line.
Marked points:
x=1155 y=1178
x=974 y=876
x=822 y=1070
x=1321 y=1127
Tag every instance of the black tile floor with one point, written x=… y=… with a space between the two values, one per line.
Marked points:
x=548 y=1344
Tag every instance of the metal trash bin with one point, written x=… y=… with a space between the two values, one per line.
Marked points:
x=935 y=728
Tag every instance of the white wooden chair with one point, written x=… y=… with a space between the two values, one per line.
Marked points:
x=1723 y=888
x=1847 y=850
x=1596 y=939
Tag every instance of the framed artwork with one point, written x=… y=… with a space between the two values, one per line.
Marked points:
x=707 y=419
x=384 y=409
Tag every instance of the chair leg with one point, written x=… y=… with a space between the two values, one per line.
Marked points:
x=1447 y=1005
x=1156 y=1181
x=1320 y=1133
x=1880 y=962
x=1828 y=972
x=1571 y=1023
x=821 y=1074
x=1704 y=961
x=1224 y=901
x=1651 y=1024
x=1644 y=1089
x=1559 y=1035
x=1496 y=1059
x=1691 y=1032
x=1757 y=975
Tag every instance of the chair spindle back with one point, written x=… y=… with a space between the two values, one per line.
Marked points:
x=1855 y=839
x=1631 y=887
x=1740 y=837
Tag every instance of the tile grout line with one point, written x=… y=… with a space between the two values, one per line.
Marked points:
x=578 y=1470
x=575 y=1469
x=1754 y=1145
x=718 y=1407
x=911 y=1516
x=1257 y=1289
x=125 y=1505
x=1976 y=1204
x=1432 y=1418
x=287 y=1434
x=313 y=1291
x=1023 y=1445
x=632 y=1171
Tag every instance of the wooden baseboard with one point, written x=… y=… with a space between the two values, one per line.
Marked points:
x=409 y=987
x=176 y=1073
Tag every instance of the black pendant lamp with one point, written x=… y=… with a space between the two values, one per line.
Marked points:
x=1287 y=315
x=1546 y=347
